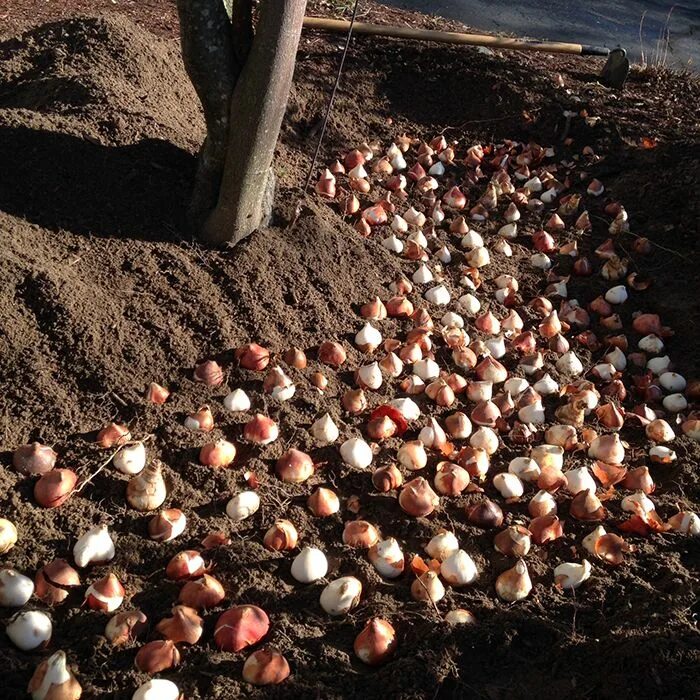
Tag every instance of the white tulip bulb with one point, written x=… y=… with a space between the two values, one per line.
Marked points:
x=243 y=505
x=309 y=565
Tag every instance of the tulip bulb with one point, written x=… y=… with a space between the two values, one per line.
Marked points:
x=578 y=480
x=157 y=656
x=124 y=627
x=356 y=453
x=458 y=569
x=265 y=666
x=341 y=595
x=237 y=401
x=485 y=514
x=428 y=587
x=514 y=541
x=261 y=430
x=451 y=479
x=241 y=627
x=323 y=502
x=542 y=504
x=514 y=584
x=53 y=680
x=202 y=593
x=685 y=522
x=15 y=588
x=309 y=565
x=279 y=385
x=113 y=435
x=525 y=468
x=243 y=505
x=54 y=580
x=106 y=594
x=570 y=575
x=201 y=420
x=376 y=643
x=146 y=491
x=387 y=558
x=185 y=625
x=8 y=535
x=545 y=529
x=508 y=485
x=659 y=431
x=29 y=630
x=54 y=488
x=418 y=499
x=131 y=459
x=34 y=459
x=95 y=546
x=360 y=534
x=280 y=536
x=186 y=564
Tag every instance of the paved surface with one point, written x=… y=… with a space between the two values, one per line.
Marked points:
x=610 y=23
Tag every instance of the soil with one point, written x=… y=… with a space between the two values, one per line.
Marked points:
x=103 y=291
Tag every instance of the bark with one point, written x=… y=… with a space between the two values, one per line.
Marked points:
x=258 y=104
x=211 y=63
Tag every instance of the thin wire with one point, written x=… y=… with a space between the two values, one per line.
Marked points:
x=328 y=112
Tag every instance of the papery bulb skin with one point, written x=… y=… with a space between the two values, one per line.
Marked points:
x=253 y=357
x=113 y=435
x=157 y=394
x=202 y=593
x=261 y=430
x=294 y=467
x=387 y=558
x=332 y=353
x=34 y=458
x=323 y=502
x=485 y=514
x=184 y=565
x=54 y=488
x=185 y=625
x=266 y=666
x=514 y=584
x=240 y=627
x=202 y=420
x=124 y=627
x=418 y=499
x=360 y=534
x=106 y=594
x=157 y=656
x=53 y=680
x=157 y=689
x=376 y=643
x=217 y=454
x=209 y=373
x=428 y=587
x=54 y=581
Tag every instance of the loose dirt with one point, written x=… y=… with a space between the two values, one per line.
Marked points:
x=103 y=291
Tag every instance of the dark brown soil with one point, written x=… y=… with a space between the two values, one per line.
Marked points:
x=103 y=291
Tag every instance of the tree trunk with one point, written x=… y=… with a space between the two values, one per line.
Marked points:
x=210 y=61
x=257 y=108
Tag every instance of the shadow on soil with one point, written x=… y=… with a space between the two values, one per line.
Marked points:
x=59 y=181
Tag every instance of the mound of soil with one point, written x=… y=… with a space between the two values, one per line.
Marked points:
x=104 y=292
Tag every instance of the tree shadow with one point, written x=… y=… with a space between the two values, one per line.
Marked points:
x=60 y=181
